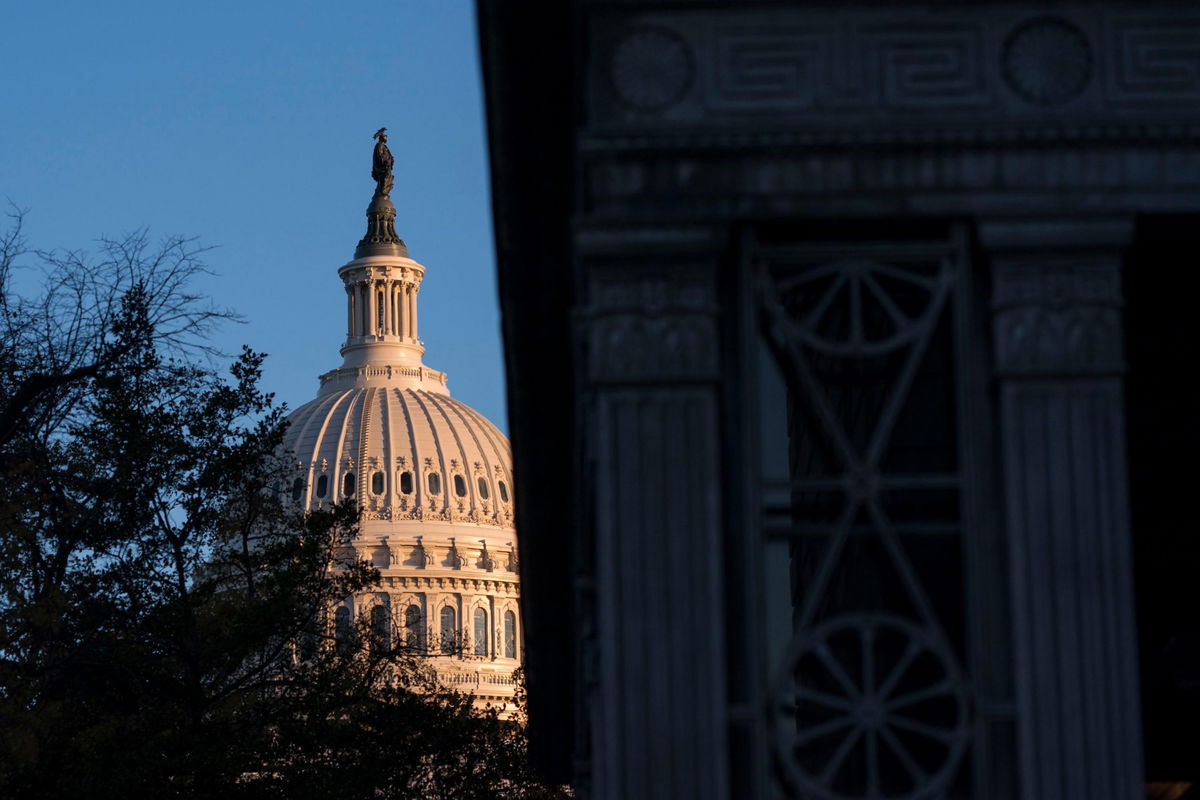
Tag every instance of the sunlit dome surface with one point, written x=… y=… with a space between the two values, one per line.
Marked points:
x=403 y=454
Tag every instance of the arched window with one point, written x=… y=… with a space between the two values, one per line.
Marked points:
x=406 y=484
x=381 y=634
x=482 y=639
x=483 y=490
x=435 y=483
x=343 y=631
x=297 y=489
x=377 y=483
x=449 y=630
x=348 y=484
x=503 y=492
x=308 y=641
x=510 y=634
x=322 y=485
x=414 y=628
x=460 y=486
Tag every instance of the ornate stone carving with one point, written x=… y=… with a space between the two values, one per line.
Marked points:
x=1155 y=61
x=849 y=69
x=651 y=68
x=651 y=328
x=849 y=74
x=1047 y=61
x=1058 y=318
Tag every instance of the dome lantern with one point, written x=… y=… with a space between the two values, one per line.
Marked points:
x=382 y=344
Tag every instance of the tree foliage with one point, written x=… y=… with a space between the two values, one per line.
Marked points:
x=162 y=609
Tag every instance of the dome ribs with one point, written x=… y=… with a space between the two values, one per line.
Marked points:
x=348 y=419
x=437 y=444
x=296 y=440
x=393 y=430
x=444 y=403
x=316 y=447
x=364 y=442
x=491 y=433
x=410 y=429
x=463 y=461
x=390 y=496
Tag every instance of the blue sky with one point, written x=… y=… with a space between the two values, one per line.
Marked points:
x=249 y=126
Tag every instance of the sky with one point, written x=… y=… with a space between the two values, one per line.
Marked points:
x=248 y=125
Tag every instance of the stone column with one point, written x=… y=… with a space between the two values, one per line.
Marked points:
x=386 y=291
x=412 y=311
x=656 y=680
x=365 y=291
x=394 y=301
x=1058 y=357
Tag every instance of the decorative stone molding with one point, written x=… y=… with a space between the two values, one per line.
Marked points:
x=651 y=68
x=854 y=66
x=1047 y=61
x=1056 y=295
x=1057 y=318
x=651 y=313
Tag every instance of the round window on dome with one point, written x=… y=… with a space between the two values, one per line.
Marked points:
x=406 y=482
x=322 y=485
x=460 y=486
x=377 y=483
x=348 y=484
x=435 y=483
x=483 y=488
x=503 y=491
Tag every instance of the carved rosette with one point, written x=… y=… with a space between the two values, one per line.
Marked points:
x=1047 y=61
x=651 y=68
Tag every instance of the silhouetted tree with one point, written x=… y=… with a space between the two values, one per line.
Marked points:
x=164 y=623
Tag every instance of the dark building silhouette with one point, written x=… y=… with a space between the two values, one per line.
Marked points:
x=871 y=325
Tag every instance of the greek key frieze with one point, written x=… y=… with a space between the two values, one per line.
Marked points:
x=835 y=70
x=1154 y=61
x=847 y=69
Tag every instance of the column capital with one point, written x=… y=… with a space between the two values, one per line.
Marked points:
x=1056 y=295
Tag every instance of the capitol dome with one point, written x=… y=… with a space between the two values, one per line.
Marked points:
x=432 y=477
x=403 y=454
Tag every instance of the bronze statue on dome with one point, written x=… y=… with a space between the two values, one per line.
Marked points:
x=381 y=167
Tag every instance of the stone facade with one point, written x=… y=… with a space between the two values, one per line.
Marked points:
x=844 y=285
